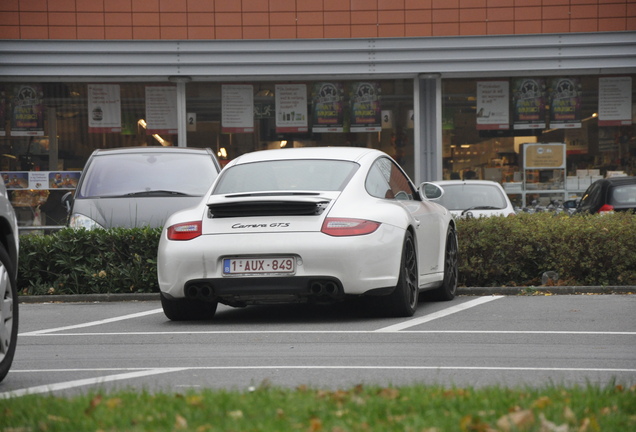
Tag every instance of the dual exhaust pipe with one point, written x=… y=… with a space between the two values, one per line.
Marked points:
x=323 y=289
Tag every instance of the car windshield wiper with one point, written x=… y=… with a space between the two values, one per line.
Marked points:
x=481 y=208
x=155 y=193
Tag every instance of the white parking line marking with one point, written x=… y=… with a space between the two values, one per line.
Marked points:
x=92 y=323
x=47 y=388
x=451 y=310
x=158 y=371
x=259 y=332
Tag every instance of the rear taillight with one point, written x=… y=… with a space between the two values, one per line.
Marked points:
x=184 y=231
x=606 y=208
x=348 y=227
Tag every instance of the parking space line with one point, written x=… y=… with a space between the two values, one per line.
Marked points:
x=93 y=323
x=322 y=332
x=443 y=313
x=47 y=388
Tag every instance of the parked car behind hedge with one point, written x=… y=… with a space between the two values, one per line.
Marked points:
x=609 y=195
x=140 y=186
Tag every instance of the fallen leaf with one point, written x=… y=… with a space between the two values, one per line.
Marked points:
x=180 y=422
x=238 y=414
x=518 y=420
x=315 y=424
x=548 y=426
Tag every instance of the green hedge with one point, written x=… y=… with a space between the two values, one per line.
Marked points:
x=89 y=262
x=498 y=251
x=591 y=250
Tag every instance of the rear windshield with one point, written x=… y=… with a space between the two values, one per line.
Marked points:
x=115 y=175
x=462 y=197
x=624 y=195
x=286 y=175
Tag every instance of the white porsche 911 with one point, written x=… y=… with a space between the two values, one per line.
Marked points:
x=308 y=225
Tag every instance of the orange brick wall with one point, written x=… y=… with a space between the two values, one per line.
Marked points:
x=291 y=19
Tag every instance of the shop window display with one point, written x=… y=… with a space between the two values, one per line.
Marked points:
x=486 y=122
x=48 y=130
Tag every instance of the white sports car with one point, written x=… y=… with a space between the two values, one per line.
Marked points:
x=307 y=225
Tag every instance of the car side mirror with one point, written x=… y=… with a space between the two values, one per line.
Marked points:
x=67 y=201
x=431 y=191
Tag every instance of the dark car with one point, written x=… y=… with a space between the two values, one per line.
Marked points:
x=9 y=249
x=140 y=186
x=609 y=195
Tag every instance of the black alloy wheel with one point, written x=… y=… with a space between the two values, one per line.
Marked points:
x=402 y=302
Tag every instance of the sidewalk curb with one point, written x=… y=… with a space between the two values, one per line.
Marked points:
x=463 y=291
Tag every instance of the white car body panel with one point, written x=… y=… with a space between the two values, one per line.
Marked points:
x=361 y=264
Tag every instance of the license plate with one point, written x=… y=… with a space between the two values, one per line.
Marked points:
x=284 y=265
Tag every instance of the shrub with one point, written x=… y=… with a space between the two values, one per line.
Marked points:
x=87 y=262
x=495 y=251
x=517 y=250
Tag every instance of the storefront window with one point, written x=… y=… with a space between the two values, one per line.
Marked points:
x=486 y=123
x=234 y=119
x=48 y=130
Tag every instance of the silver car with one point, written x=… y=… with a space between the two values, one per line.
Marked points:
x=473 y=198
x=9 y=247
x=139 y=186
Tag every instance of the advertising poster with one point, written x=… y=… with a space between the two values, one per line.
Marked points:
x=291 y=108
x=565 y=103
x=42 y=180
x=366 y=110
x=493 y=105
x=3 y=112
x=104 y=108
x=528 y=97
x=328 y=100
x=615 y=101
x=161 y=110
x=237 y=108
x=27 y=116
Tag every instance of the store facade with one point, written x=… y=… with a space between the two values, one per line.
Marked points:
x=443 y=107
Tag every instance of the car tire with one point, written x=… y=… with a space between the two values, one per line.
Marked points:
x=187 y=310
x=8 y=313
x=448 y=290
x=402 y=302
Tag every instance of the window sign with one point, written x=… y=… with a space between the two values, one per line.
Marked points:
x=291 y=108
x=104 y=108
x=328 y=100
x=366 y=110
x=615 y=101
x=565 y=103
x=539 y=156
x=40 y=180
x=528 y=98
x=161 y=110
x=27 y=117
x=237 y=107
x=3 y=112
x=493 y=106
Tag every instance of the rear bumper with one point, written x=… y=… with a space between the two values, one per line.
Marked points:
x=355 y=264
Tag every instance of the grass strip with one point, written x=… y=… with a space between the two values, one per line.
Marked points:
x=362 y=408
